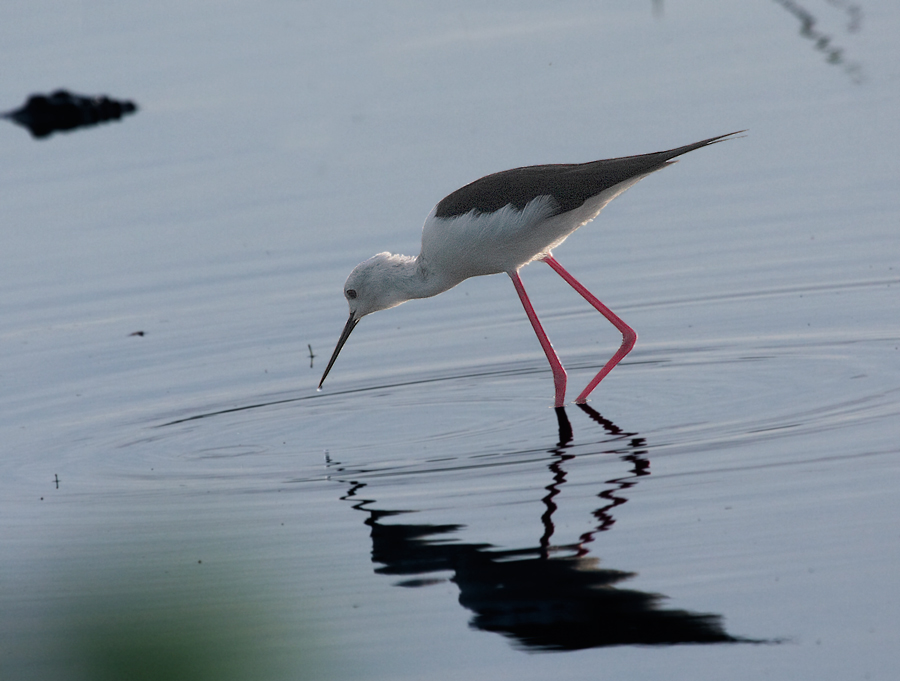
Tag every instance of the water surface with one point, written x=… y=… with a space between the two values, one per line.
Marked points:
x=724 y=508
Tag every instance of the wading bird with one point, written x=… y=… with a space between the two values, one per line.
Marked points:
x=501 y=223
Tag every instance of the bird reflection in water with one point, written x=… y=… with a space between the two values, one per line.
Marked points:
x=547 y=597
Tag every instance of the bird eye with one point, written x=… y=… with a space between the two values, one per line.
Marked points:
x=351 y=294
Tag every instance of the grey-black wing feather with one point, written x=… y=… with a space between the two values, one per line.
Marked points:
x=569 y=184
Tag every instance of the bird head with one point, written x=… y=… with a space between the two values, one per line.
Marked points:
x=375 y=284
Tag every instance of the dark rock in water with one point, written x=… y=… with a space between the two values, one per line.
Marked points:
x=62 y=110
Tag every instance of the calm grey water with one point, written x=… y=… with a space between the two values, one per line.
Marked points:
x=184 y=504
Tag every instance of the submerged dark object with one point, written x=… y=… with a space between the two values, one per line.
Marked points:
x=62 y=110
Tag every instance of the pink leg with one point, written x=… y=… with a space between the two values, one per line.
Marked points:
x=629 y=336
x=559 y=374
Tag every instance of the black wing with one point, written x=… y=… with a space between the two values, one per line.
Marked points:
x=570 y=184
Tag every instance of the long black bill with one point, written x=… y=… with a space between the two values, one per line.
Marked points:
x=345 y=334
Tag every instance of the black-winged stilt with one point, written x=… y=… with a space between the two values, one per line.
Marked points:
x=501 y=223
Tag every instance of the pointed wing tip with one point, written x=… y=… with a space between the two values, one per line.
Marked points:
x=730 y=135
x=702 y=143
